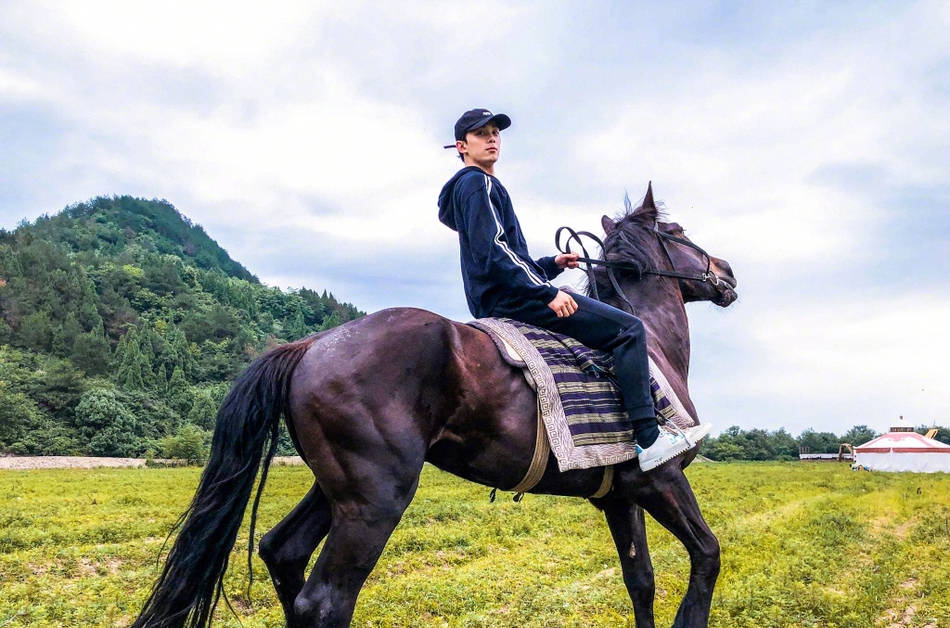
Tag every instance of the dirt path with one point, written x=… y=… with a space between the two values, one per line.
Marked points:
x=84 y=462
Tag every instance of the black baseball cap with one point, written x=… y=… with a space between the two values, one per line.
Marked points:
x=476 y=119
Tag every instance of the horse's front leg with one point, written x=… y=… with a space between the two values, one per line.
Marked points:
x=625 y=520
x=667 y=496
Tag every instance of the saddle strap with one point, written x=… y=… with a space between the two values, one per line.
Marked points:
x=605 y=484
x=539 y=460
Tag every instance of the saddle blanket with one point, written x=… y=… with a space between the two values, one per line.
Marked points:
x=578 y=398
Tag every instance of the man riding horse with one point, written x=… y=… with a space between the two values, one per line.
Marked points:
x=502 y=280
x=369 y=403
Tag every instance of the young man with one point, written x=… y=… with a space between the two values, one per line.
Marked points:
x=501 y=279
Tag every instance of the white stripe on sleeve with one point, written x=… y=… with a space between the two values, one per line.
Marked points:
x=504 y=245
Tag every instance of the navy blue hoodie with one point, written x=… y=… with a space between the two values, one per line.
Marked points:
x=496 y=267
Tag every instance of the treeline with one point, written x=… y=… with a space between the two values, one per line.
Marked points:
x=758 y=444
x=122 y=325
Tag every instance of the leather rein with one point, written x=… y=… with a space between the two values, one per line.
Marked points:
x=575 y=236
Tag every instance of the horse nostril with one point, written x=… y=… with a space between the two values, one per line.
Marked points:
x=724 y=270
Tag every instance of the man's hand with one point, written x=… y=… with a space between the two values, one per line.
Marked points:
x=566 y=260
x=563 y=304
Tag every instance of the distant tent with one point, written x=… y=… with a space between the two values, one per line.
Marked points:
x=902 y=449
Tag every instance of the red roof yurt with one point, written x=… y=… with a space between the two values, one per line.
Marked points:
x=902 y=449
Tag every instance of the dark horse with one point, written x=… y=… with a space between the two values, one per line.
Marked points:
x=367 y=403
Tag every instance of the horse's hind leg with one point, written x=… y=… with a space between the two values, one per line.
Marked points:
x=366 y=509
x=287 y=548
x=625 y=520
x=669 y=498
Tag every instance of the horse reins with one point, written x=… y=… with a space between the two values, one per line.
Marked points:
x=575 y=236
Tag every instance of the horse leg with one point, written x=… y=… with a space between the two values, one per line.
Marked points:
x=669 y=498
x=625 y=520
x=364 y=515
x=288 y=546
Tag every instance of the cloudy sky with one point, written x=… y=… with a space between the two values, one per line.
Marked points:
x=808 y=145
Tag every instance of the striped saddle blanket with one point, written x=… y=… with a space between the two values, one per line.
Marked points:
x=578 y=398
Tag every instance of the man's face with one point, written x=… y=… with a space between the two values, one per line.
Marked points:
x=481 y=147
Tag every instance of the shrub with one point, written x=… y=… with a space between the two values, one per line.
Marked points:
x=190 y=443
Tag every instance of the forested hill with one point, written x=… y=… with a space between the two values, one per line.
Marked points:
x=108 y=226
x=122 y=324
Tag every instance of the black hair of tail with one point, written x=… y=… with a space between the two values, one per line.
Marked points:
x=192 y=580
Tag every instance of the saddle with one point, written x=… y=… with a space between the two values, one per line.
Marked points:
x=581 y=418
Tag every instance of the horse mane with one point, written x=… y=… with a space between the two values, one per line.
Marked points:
x=629 y=210
x=629 y=222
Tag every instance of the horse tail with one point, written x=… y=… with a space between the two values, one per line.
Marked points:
x=192 y=581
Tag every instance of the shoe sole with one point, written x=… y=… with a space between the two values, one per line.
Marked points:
x=703 y=430
x=673 y=454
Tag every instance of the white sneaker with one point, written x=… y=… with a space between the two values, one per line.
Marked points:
x=697 y=433
x=671 y=442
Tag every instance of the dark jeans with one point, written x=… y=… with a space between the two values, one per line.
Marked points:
x=601 y=326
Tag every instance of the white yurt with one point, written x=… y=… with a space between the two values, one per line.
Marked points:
x=902 y=449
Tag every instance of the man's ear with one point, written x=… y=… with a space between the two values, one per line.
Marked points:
x=607 y=224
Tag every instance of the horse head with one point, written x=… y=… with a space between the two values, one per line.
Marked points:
x=641 y=239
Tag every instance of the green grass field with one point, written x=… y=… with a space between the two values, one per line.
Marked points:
x=802 y=545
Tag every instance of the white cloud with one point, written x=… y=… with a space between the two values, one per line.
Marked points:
x=740 y=143
x=840 y=345
x=226 y=36
x=827 y=363
x=15 y=87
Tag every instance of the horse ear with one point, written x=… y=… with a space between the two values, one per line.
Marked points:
x=647 y=212
x=607 y=224
x=648 y=199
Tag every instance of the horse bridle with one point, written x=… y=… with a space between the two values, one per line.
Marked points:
x=575 y=236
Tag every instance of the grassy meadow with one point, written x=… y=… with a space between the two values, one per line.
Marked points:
x=804 y=544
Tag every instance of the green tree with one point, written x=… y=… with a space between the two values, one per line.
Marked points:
x=858 y=435
x=71 y=330
x=203 y=411
x=784 y=445
x=722 y=448
x=58 y=344
x=218 y=361
x=133 y=359
x=106 y=425
x=819 y=442
x=178 y=393
x=164 y=277
x=154 y=418
x=177 y=352
x=331 y=321
x=91 y=352
x=47 y=438
x=89 y=316
x=297 y=327
x=57 y=388
x=755 y=445
x=18 y=414
x=36 y=331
